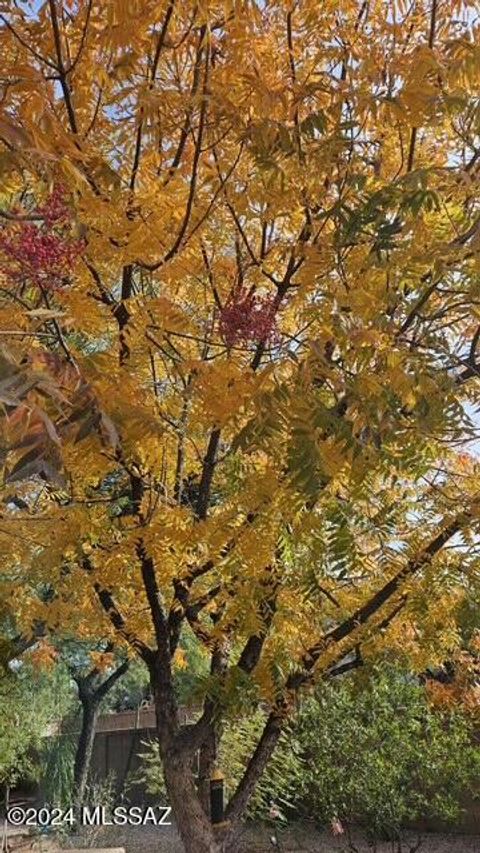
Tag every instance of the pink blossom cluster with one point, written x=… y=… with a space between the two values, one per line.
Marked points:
x=247 y=317
x=41 y=254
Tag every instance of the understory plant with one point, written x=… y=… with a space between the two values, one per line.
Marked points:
x=379 y=756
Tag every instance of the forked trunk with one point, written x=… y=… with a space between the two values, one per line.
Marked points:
x=196 y=831
x=191 y=818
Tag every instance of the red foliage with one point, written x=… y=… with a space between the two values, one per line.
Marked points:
x=247 y=317
x=41 y=254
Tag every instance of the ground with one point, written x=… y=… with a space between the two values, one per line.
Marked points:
x=301 y=839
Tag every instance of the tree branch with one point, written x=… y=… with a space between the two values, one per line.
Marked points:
x=138 y=141
x=252 y=649
x=208 y=469
x=188 y=116
x=118 y=622
x=62 y=72
x=258 y=761
x=364 y=613
x=107 y=685
x=153 y=597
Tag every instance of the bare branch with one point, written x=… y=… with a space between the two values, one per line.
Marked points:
x=62 y=71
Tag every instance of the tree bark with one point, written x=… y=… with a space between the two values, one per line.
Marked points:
x=206 y=764
x=83 y=755
x=193 y=824
x=194 y=827
x=90 y=693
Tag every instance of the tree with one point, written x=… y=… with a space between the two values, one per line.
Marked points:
x=241 y=242
x=95 y=672
x=93 y=669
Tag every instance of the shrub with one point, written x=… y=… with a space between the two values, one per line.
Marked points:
x=58 y=757
x=379 y=756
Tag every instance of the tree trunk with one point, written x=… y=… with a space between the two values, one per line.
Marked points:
x=91 y=693
x=193 y=825
x=83 y=755
x=191 y=819
x=206 y=764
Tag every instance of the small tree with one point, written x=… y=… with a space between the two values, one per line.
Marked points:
x=95 y=671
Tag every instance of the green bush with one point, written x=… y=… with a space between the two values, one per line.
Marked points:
x=28 y=705
x=19 y=733
x=379 y=756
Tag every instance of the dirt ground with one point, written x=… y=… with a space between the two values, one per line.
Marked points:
x=299 y=839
